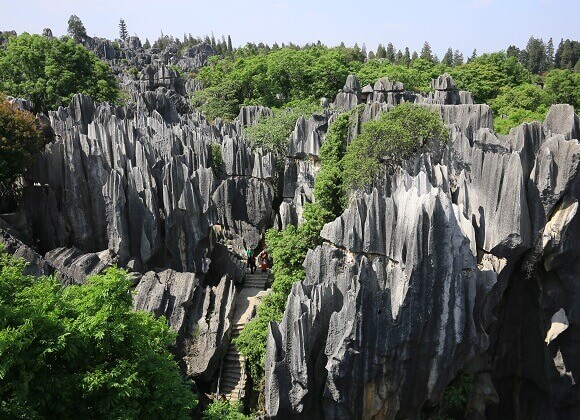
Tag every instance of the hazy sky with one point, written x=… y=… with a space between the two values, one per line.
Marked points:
x=488 y=25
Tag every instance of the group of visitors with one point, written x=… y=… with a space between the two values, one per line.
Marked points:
x=263 y=260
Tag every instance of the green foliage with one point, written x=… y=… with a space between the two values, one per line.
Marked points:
x=272 y=133
x=386 y=142
x=50 y=71
x=288 y=247
x=272 y=79
x=19 y=141
x=76 y=30
x=224 y=410
x=415 y=77
x=485 y=75
x=456 y=396
x=328 y=184
x=563 y=86
x=82 y=352
x=516 y=105
x=216 y=156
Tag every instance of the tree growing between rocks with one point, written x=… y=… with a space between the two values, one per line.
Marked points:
x=123 y=30
x=76 y=29
x=388 y=141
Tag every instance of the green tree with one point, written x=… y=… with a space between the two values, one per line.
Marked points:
x=50 y=71
x=19 y=141
x=147 y=44
x=381 y=52
x=390 y=52
x=386 y=142
x=487 y=74
x=536 y=59
x=82 y=352
x=448 y=58
x=563 y=86
x=426 y=53
x=76 y=30
x=457 y=58
x=123 y=30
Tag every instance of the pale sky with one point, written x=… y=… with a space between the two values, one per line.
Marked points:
x=488 y=25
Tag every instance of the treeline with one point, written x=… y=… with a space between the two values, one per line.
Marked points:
x=281 y=77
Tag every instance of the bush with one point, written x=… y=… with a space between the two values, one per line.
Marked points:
x=20 y=140
x=83 y=352
x=49 y=71
x=386 y=142
x=272 y=133
x=224 y=410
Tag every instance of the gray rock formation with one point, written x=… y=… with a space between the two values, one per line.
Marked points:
x=139 y=183
x=200 y=315
x=429 y=276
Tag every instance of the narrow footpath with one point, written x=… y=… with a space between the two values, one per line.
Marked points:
x=233 y=377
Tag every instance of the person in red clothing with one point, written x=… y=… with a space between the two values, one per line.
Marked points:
x=264 y=261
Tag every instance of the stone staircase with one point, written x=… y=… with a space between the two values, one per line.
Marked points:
x=233 y=378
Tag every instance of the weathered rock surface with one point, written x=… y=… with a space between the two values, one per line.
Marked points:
x=200 y=315
x=429 y=276
x=139 y=182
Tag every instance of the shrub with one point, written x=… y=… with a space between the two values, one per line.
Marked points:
x=82 y=352
x=386 y=142
x=224 y=410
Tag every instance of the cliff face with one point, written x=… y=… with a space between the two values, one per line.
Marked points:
x=462 y=261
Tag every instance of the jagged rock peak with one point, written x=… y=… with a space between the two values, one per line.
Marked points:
x=352 y=85
x=443 y=82
x=385 y=85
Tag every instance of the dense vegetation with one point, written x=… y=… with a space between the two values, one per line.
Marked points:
x=392 y=138
x=277 y=77
x=224 y=410
x=19 y=141
x=49 y=71
x=82 y=352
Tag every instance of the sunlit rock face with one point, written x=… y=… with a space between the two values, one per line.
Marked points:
x=459 y=261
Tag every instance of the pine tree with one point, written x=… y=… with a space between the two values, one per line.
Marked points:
x=407 y=59
x=390 y=53
x=536 y=55
x=457 y=58
x=473 y=55
x=123 y=30
x=230 y=48
x=147 y=44
x=448 y=58
x=371 y=55
x=415 y=56
x=381 y=52
x=550 y=54
x=399 y=59
x=426 y=53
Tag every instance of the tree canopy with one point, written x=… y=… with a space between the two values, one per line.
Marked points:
x=49 y=71
x=82 y=352
x=389 y=140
